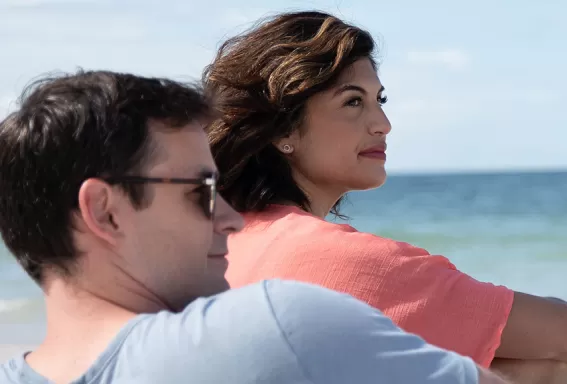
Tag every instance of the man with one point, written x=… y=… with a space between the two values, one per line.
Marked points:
x=108 y=201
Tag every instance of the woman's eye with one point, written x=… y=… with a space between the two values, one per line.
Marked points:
x=354 y=102
x=357 y=101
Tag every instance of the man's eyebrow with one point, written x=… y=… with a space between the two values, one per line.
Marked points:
x=198 y=172
x=207 y=171
x=352 y=87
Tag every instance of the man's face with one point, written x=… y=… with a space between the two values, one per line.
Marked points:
x=171 y=246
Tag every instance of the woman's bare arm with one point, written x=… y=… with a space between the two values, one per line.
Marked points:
x=487 y=377
x=536 y=329
x=531 y=371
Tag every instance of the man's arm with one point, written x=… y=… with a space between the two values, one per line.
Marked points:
x=337 y=339
x=536 y=329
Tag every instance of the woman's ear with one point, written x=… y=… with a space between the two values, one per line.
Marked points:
x=287 y=145
x=285 y=148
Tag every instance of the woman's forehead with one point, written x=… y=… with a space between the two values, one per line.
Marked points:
x=359 y=73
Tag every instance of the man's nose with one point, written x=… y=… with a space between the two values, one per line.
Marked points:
x=227 y=220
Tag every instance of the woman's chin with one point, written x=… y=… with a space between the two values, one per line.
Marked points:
x=365 y=184
x=378 y=179
x=377 y=183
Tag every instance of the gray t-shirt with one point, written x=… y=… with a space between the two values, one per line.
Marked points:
x=270 y=332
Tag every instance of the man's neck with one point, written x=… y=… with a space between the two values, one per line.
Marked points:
x=80 y=326
x=101 y=277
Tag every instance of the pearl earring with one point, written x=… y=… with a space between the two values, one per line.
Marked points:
x=287 y=148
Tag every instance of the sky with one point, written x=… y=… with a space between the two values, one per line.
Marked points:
x=475 y=86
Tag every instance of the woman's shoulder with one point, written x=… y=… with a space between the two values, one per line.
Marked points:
x=293 y=221
x=292 y=225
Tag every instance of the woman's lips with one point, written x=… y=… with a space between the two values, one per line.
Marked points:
x=375 y=153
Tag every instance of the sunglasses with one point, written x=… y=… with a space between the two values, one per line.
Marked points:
x=208 y=200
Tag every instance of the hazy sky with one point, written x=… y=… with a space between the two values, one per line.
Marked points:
x=471 y=87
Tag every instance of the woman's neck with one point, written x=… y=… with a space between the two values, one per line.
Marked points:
x=321 y=199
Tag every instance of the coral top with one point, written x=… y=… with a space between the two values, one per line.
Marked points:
x=422 y=293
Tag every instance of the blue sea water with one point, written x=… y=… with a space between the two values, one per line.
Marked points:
x=508 y=229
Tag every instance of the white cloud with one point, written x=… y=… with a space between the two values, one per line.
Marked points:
x=452 y=58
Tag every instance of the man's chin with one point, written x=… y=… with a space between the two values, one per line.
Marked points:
x=215 y=287
x=217 y=263
x=214 y=280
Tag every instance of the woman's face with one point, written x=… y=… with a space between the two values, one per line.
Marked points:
x=341 y=144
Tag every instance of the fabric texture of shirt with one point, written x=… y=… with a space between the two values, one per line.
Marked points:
x=422 y=293
x=269 y=332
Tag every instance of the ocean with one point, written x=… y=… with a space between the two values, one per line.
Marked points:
x=508 y=229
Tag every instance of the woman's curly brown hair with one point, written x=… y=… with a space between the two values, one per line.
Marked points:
x=261 y=81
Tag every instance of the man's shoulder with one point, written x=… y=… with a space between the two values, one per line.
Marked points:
x=331 y=337
x=252 y=314
x=10 y=369
x=262 y=304
x=279 y=299
x=238 y=331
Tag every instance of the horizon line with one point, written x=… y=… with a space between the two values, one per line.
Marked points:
x=479 y=171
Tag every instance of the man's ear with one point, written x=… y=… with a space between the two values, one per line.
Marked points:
x=98 y=208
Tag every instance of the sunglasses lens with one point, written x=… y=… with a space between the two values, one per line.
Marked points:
x=206 y=201
x=212 y=200
x=209 y=196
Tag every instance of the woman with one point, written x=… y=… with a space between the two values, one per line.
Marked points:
x=302 y=124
